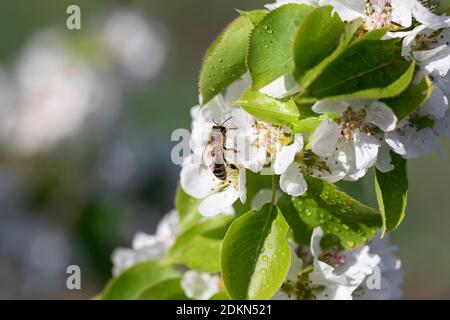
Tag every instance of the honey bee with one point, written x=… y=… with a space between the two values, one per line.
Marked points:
x=214 y=153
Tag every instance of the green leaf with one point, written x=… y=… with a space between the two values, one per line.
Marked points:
x=280 y=112
x=202 y=254
x=316 y=41
x=376 y=34
x=165 y=290
x=255 y=16
x=269 y=109
x=255 y=254
x=392 y=193
x=423 y=122
x=301 y=231
x=271 y=42
x=352 y=222
x=187 y=208
x=221 y=295
x=443 y=6
x=410 y=99
x=224 y=61
x=133 y=282
x=202 y=241
x=370 y=69
x=306 y=77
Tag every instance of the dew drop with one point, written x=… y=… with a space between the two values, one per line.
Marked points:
x=351 y=244
x=263 y=271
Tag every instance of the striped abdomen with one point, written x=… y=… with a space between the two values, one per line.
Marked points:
x=220 y=171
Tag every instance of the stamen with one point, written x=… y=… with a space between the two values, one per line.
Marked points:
x=334 y=258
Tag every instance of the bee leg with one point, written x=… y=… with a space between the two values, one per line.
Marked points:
x=230 y=149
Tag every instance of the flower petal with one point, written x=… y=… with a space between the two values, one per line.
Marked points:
x=410 y=143
x=401 y=13
x=366 y=150
x=200 y=285
x=381 y=115
x=442 y=126
x=296 y=263
x=282 y=87
x=292 y=181
x=348 y=10
x=435 y=60
x=436 y=105
x=325 y=138
x=167 y=227
x=218 y=202
x=316 y=238
x=286 y=154
x=262 y=197
x=196 y=179
x=242 y=188
x=331 y=106
x=237 y=88
x=384 y=160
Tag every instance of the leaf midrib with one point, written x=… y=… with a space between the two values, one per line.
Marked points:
x=260 y=244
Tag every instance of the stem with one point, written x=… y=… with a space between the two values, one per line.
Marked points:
x=274 y=189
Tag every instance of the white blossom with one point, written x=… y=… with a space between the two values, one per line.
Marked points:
x=147 y=247
x=350 y=268
x=135 y=44
x=292 y=277
x=197 y=178
x=281 y=87
x=200 y=285
x=442 y=126
x=385 y=282
x=335 y=274
x=428 y=45
x=262 y=197
x=410 y=142
x=54 y=93
x=354 y=135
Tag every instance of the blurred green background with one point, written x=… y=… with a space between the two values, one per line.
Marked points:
x=121 y=85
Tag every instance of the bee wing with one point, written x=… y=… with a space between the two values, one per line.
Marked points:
x=208 y=156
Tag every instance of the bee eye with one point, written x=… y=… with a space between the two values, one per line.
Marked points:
x=213 y=138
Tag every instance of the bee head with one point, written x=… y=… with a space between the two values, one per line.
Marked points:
x=220 y=128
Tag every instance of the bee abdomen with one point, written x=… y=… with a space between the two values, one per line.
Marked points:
x=220 y=172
